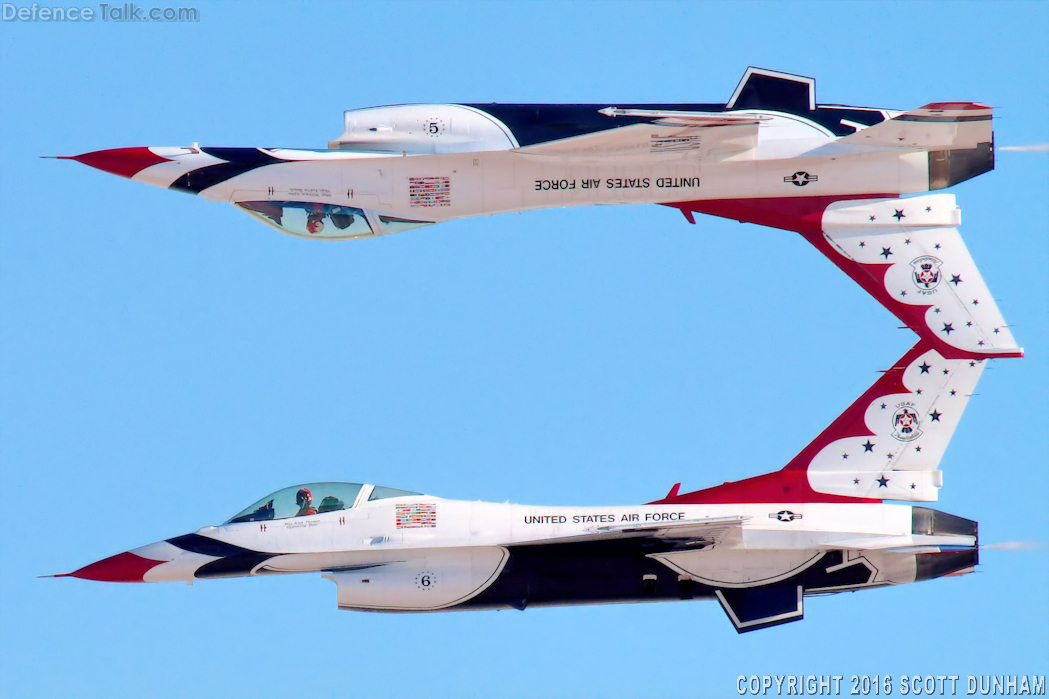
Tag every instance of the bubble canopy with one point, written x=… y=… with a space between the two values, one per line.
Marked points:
x=307 y=219
x=311 y=499
x=310 y=219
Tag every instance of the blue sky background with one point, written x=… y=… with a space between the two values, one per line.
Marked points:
x=165 y=360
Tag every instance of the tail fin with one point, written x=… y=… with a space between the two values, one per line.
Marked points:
x=936 y=126
x=906 y=253
x=886 y=446
x=909 y=255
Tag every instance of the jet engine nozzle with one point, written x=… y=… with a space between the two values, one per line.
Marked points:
x=126 y=162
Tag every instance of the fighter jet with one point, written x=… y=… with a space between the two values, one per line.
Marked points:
x=770 y=155
x=758 y=546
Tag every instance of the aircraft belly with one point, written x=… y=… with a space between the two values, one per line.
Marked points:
x=631 y=571
x=444 y=187
x=515 y=182
x=583 y=573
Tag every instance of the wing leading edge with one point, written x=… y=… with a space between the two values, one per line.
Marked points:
x=708 y=136
x=709 y=532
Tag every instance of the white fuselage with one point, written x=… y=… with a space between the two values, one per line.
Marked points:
x=371 y=532
x=507 y=180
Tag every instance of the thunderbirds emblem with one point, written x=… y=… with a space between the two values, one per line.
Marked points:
x=905 y=423
x=926 y=274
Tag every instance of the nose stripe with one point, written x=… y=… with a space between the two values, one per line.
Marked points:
x=123 y=567
x=238 y=161
x=126 y=162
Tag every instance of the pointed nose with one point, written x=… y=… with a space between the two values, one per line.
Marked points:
x=123 y=567
x=126 y=162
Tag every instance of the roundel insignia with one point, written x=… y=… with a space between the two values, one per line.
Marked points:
x=784 y=516
x=801 y=178
x=905 y=423
x=925 y=273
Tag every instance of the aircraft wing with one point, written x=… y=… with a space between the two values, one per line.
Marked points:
x=908 y=543
x=709 y=531
x=946 y=125
x=709 y=136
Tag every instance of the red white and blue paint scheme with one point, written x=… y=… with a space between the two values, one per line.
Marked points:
x=771 y=156
x=758 y=546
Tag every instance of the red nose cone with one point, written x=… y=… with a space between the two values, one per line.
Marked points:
x=126 y=162
x=123 y=567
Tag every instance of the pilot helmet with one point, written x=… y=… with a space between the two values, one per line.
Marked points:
x=303 y=497
x=315 y=223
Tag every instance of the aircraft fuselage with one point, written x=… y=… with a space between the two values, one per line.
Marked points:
x=429 y=554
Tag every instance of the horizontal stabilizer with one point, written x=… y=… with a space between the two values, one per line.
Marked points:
x=753 y=608
x=908 y=542
x=937 y=126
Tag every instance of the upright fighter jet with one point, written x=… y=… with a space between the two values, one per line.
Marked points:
x=770 y=155
x=758 y=546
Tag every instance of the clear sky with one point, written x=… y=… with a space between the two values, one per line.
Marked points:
x=165 y=360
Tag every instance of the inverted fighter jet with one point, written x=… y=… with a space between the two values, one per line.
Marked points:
x=771 y=155
x=757 y=546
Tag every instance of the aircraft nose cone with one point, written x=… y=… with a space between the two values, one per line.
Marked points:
x=126 y=162
x=123 y=567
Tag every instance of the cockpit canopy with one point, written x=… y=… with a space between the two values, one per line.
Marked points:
x=316 y=220
x=312 y=499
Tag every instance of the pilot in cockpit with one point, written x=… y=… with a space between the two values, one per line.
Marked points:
x=341 y=218
x=315 y=223
x=304 y=499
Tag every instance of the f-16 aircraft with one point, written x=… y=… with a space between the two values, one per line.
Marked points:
x=757 y=546
x=770 y=155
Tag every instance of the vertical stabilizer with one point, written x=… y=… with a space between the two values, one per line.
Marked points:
x=906 y=253
x=886 y=446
